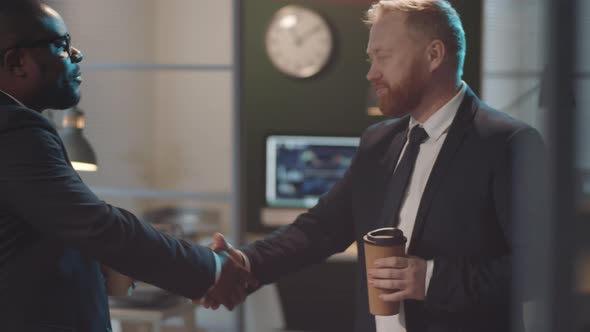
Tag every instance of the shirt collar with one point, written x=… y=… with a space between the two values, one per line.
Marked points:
x=441 y=120
x=11 y=97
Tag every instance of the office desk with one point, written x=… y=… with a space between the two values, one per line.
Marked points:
x=155 y=316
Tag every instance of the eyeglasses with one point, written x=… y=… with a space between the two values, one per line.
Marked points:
x=62 y=42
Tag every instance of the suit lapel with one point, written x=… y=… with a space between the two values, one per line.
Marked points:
x=5 y=100
x=455 y=136
x=395 y=148
x=388 y=164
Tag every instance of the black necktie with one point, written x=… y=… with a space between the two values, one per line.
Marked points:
x=400 y=179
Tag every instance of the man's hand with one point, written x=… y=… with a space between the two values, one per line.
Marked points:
x=405 y=277
x=220 y=245
x=234 y=280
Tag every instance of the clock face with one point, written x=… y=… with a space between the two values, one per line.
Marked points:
x=299 y=41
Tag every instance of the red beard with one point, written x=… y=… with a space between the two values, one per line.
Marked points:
x=404 y=97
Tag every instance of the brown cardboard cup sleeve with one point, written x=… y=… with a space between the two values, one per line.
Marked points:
x=381 y=243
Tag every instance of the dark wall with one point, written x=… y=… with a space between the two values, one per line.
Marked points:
x=331 y=103
x=471 y=12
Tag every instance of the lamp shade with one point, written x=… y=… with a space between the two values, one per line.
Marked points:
x=79 y=150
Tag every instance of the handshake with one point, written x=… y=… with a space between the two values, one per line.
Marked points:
x=235 y=280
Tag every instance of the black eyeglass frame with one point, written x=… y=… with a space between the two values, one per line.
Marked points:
x=43 y=42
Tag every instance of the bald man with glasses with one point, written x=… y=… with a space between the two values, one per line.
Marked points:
x=54 y=232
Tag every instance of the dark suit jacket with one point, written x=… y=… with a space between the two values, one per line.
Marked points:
x=54 y=231
x=464 y=223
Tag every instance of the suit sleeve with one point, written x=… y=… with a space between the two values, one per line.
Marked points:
x=39 y=187
x=476 y=285
x=315 y=235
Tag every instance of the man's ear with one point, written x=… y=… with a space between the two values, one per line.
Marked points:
x=14 y=61
x=436 y=53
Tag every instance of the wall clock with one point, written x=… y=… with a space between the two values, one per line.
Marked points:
x=299 y=41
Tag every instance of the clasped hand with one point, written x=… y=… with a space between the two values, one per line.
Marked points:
x=234 y=281
x=404 y=277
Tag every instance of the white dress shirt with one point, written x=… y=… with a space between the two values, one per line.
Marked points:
x=437 y=127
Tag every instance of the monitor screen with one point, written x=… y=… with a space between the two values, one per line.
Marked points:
x=299 y=169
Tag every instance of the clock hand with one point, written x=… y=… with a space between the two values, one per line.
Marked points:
x=310 y=32
x=296 y=38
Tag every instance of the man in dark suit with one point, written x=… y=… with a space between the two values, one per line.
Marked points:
x=53 y=230
x=446 y=169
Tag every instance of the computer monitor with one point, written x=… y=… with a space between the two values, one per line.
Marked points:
x=299 y=169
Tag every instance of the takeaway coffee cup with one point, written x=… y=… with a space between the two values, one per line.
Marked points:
x=117 y=284
x=381 y=243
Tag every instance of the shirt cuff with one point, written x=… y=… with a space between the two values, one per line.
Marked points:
x=429 y=269
x=246 y=261
x=219 y=260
